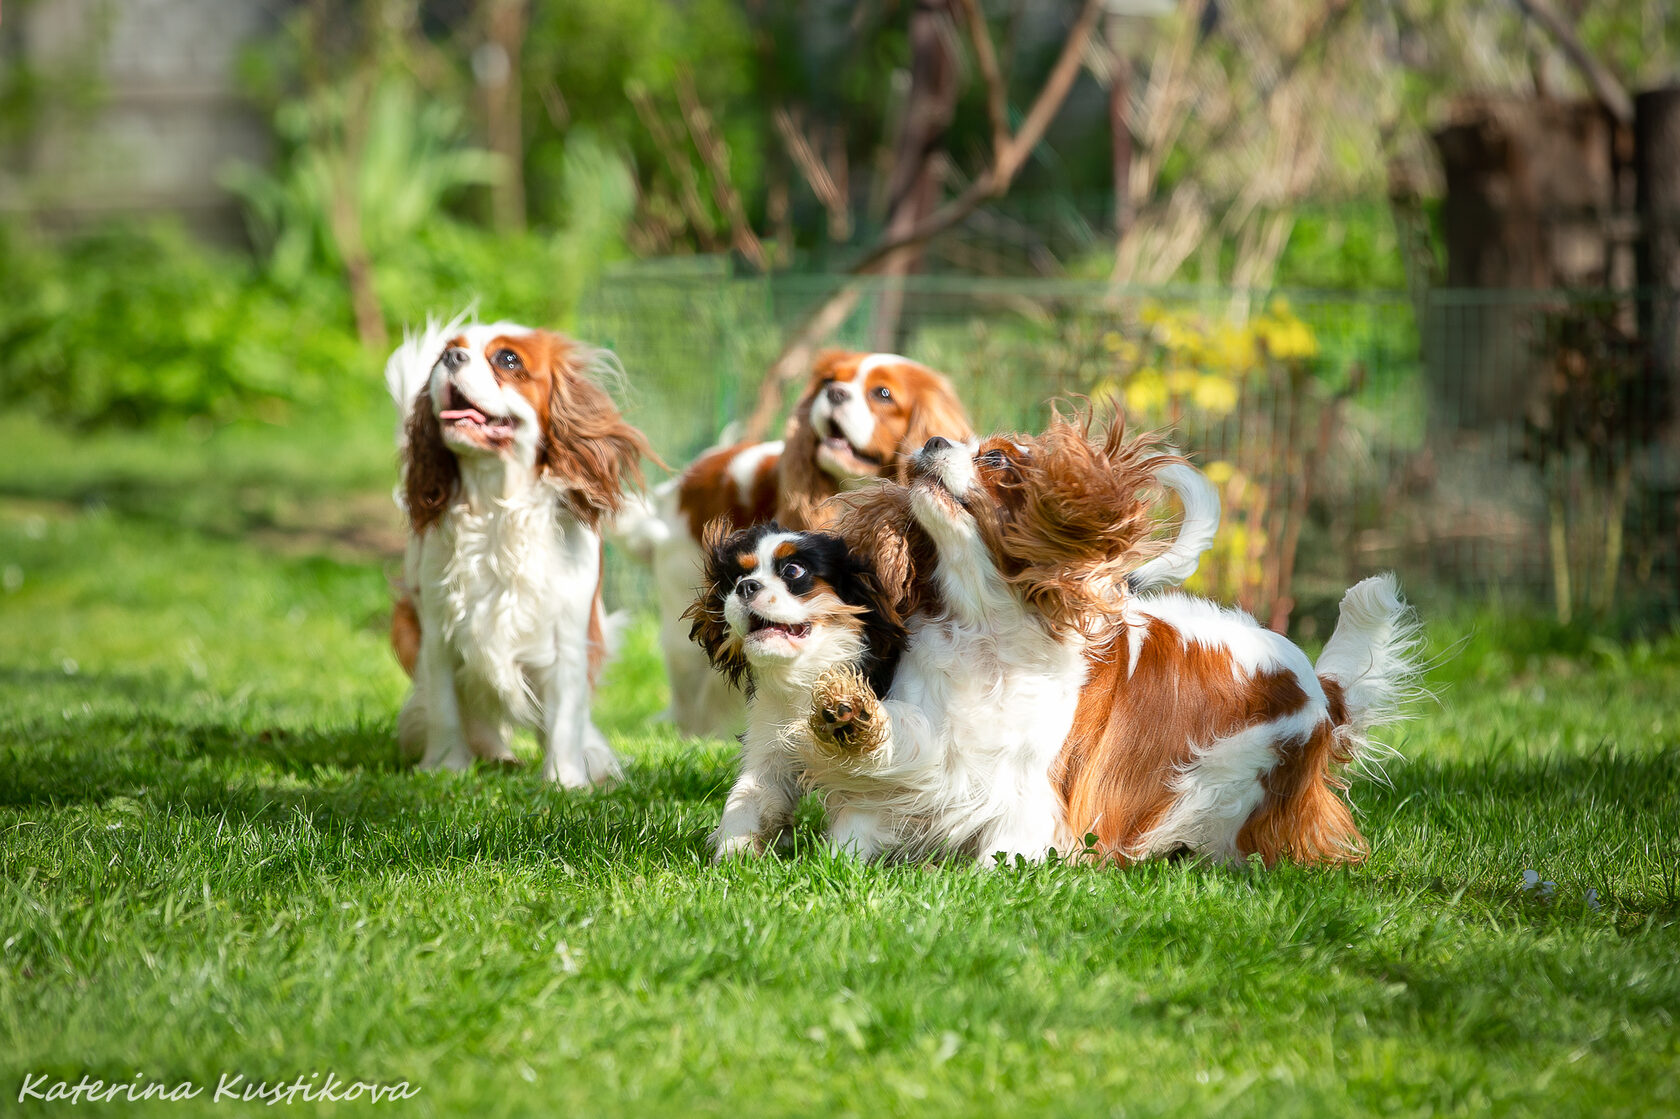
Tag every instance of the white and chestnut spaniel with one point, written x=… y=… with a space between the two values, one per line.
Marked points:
x=859 y=420
x=511 y=456
x=778 y=610
x=1041 y=699
x=785 y=612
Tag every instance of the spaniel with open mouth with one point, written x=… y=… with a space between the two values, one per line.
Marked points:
x=782 y=613
x=512 y=454
x=779 y=609
x=1042 y=699
x=861 y=417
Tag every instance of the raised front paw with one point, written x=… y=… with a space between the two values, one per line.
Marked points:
x=846 y=717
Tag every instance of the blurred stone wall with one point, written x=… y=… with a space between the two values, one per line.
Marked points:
x=138 y=108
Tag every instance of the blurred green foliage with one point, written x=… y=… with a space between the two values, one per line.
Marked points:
x=137 y=324
x=133 y=324
x=374 y=163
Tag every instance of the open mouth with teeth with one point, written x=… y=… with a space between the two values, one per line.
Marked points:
x=836 y=452
x=461 y=416
x=763 y=629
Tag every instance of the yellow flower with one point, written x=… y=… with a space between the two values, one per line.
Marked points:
x=1285 y=336
x=1111 y=341
x=1146 y=392
x=1180 y=381
x=1219 y=472
x=1215 y=394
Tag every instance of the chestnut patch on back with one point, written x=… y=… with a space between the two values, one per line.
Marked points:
x=707 y=492
x=1133 y=732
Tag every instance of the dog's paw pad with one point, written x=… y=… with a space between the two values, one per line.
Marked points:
x=845 y=714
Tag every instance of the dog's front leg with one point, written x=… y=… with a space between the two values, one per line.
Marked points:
x=859 y=833
x=434 y=696
x=759 y=807
x=575 y=753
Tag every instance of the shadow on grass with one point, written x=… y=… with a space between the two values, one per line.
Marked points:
x=307 y=518
x=1593 y=816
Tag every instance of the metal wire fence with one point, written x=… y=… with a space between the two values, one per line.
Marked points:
x=1512 y=447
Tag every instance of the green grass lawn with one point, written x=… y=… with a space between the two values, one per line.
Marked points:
x=211 y=862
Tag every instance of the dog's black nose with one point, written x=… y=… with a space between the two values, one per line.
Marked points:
x=935 y=445
x=836 y=395
x=746 y=588
x=454 y=358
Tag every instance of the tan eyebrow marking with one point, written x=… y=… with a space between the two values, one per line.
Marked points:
x=746 y=561
x=785 y=549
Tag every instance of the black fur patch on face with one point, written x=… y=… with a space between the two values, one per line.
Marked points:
x=802 y=565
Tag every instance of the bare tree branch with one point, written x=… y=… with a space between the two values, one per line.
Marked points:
x=688 y=189
x=1006 y=161
x=796 y=356
x=716 y=157
x=1600 y=80
x=991 y=183
x=997 y=93
x=816 y=174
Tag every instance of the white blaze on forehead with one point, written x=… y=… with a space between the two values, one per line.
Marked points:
x=771 y=598
x=743 y=468
x=872 y=362
x=767 y=550
x=479 y=335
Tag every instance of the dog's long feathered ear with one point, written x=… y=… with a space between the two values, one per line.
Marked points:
x=589 y=447
x=877 y=526
x=800 y=485
x=710 y=629
x=1089 y=523
x=430 y=471
x=884 y=634
x=937 y=411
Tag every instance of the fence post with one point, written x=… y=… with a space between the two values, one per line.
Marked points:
x=1657 y=179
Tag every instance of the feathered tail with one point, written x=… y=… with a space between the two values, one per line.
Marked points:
x=1372 y=658
x=1368 y=669
x=1195 y=532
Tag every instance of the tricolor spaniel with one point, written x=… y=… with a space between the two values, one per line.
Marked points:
x=1040 y=699
x=778 y=610
x=784 y=612
x=860 y=419
x=511 y=456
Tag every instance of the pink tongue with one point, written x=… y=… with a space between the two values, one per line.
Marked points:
x=463 y=414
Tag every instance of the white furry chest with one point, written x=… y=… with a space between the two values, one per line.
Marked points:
x=1006 y=703
x=503 y=585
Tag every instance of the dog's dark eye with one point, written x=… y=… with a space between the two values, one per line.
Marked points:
x=507 y=359
x=882 y=392
x=793 y=571
x=994 y=459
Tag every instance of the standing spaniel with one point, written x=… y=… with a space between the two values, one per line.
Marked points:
x=511 y=456
x=859 y=420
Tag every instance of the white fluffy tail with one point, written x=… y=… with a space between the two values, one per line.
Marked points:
x=409 y=367
x=1373 y=654
x=641 y=525
x=1195 y=532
